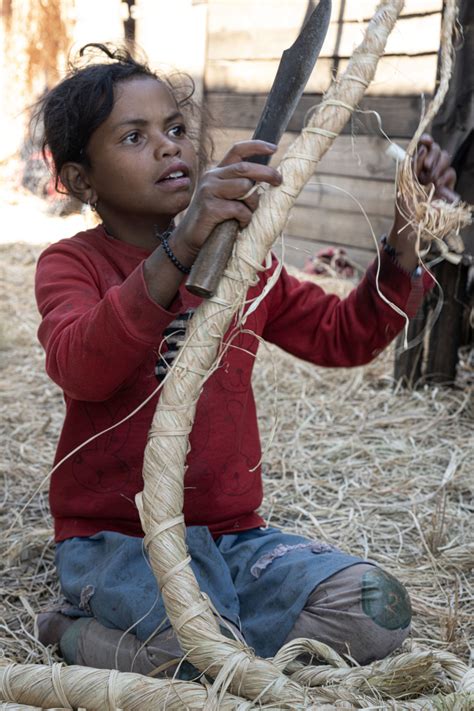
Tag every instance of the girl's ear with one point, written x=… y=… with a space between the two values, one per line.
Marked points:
x=76 y=181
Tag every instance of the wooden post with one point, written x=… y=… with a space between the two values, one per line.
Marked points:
x=129 y=22
x=446 y=333
x=409 y=363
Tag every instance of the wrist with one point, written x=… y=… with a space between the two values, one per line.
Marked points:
x=403 y=250
x=184 y=248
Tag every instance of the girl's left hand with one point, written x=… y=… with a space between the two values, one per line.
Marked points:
x=432 y=166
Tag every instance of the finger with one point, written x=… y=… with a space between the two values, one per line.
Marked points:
x=246 y=149
x=445 y=187
x=240 y=212
x=252 y=201
x=445 y=193
x=426 y=140
x=421 y=154
x=252 y=171
x=223 y=210
x=232 y=188
x=441 y=167
x=432 y=158
x=424 y=170
x=448 y=179
x=245 y=218
x=423 y=148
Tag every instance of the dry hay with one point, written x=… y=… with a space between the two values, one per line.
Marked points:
x=382 y=473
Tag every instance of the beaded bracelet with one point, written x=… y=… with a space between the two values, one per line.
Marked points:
x=169 y=252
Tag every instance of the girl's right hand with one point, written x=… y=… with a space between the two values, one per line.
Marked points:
x=218 y=194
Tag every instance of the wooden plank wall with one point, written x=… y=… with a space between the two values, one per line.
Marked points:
x=244 y=43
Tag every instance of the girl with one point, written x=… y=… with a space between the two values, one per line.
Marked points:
x=113 y=310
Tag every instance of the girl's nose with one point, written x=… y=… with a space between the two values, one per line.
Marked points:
x=166 y=146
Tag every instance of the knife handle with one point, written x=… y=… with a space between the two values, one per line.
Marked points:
x=212 y=260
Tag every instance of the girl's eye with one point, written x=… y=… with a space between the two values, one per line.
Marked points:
x=178 y=131
x=131 y=138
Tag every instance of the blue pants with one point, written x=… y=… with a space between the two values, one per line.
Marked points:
x=259 y=580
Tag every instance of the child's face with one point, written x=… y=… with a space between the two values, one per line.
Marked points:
x=133 y=152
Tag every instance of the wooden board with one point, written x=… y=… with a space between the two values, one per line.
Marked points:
x=396 y=76
x=361 y=157
x=298 y=250
x=354 y=10
x=338 y=192
x=235 y=34
x=336 y=227
x=399 y=115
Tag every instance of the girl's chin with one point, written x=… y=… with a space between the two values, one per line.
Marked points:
x=172 y=208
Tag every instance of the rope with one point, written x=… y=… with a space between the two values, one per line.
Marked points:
x=58 y=687
x=165 y=461
x=6 y=689
x=111 y=686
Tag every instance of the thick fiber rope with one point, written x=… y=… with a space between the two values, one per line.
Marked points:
x=433 y=219
x=229 y=662
x=46 y=687
x=435 y=679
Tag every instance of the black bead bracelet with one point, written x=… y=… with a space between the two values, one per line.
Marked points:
x=169 y=252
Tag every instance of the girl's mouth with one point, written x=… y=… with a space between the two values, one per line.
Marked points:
x=175 y=175
x=174 y=181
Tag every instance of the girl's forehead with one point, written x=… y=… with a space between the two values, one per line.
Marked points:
x=142 y=92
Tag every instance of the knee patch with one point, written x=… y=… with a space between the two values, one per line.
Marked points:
x=385 y=600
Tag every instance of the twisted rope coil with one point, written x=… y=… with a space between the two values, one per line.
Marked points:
x=388 y=682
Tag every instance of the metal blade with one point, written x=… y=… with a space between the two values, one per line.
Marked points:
x=294 y=70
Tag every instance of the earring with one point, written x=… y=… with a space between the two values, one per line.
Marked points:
x=92 y=205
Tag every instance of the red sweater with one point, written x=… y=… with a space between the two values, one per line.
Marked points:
x=101 y=332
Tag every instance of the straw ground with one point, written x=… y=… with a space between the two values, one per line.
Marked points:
x=352 y=460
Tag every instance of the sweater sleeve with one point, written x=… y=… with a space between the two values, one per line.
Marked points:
x=94 y=337
x=329 y=331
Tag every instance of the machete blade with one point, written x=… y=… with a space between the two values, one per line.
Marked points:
x=296 y=65
x=294 y=70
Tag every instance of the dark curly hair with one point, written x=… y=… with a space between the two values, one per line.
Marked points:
x=70 y=113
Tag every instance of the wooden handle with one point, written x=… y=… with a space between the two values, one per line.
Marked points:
x=212 y=260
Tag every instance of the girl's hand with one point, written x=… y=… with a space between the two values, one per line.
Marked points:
x=219 y=192
x=432 y=166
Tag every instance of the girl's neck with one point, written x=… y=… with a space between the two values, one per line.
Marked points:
x=141 y=234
